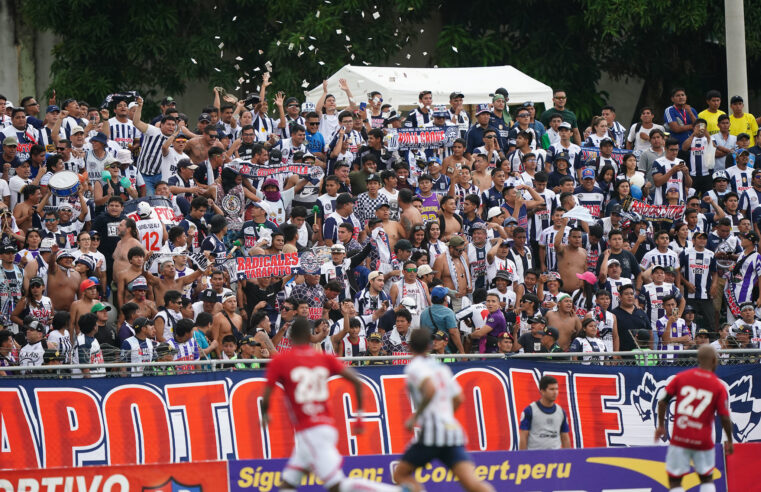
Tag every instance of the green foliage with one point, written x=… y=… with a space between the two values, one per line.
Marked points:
x=150 y=45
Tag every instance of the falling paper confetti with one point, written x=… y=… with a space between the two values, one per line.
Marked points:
x=268 y=66
x=291 y=46
x=238 y=87
x=348 y=38
x=321 y=62
x=313 y=38
x=310 y=47
x=235 y=18
x=363 y=13
x=217 y=37
x=425 y=53
x=237 y=67
x=278 y=43
x=338 y=31
x=454 y=48
x=218 y=70
x=257 y=69
x=376 y=15
x=194 y=61
x=304 y=84
x=240 y=80
x=409 y=56
x=317 y=14
x=221 y=45
x=352 y=56
x=239 y=58
x=261 y=52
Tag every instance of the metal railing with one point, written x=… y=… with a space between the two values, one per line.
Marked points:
x=679 y=358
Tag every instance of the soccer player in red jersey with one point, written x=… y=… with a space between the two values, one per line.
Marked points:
x=304 y=372
x=699 y=394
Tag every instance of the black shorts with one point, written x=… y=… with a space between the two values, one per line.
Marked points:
x=420 y=455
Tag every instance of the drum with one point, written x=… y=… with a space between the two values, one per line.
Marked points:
x=64 y=183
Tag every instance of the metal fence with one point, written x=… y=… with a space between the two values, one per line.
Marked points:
x=673 y=358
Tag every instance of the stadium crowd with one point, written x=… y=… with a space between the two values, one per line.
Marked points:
x=524 y=232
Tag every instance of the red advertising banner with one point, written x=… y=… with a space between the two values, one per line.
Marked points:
x=215 y=416
x=187 y=477
x=742 y=466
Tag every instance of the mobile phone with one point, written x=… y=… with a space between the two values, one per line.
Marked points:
x=675 y=311
x=643 y=232
x=362 y=106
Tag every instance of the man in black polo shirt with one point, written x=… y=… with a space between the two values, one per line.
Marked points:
x=630 y=319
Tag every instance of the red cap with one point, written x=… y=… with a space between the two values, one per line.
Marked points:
x=86 y=284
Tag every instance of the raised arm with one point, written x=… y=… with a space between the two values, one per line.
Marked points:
x=140 y=125
x=321 y=101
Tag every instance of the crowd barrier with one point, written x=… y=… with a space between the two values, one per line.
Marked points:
x=593 y=469
x=215 y=416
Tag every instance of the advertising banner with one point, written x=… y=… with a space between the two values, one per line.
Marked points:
x=215 y=416
x=741 y=475
x=655 y=213
x=178 y=477
x=598 y=469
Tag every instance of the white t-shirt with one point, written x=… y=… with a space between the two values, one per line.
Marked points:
x=150 y=233
x=169 y=163
x=639 y=144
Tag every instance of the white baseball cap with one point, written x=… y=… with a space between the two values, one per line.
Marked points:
x=494 y=212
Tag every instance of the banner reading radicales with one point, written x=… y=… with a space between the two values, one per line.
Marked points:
x=657 y=213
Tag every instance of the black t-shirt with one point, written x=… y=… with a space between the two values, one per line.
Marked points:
x=629 y=264
x=530 y=344
x=108 y=227
x=246 y=151
x=106 y=335
x=628 y=325
x=255 y=295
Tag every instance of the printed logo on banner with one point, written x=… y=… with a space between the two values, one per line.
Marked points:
x=173 y=486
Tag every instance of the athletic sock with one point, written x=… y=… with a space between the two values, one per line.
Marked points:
x=707 y=487
x=362 y=485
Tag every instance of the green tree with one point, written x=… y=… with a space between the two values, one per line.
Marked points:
x=157 y=47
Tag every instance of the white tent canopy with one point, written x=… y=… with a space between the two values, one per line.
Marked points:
x=400 y=86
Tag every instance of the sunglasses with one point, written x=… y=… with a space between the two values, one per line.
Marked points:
x=61 y=148
x=213 y=137
x=459 y=250
x=292 y=106
x=50 y=220
x=314 y=124
x=410 y=269
x=286 y=309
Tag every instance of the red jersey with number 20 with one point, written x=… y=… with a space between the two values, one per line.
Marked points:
x=699 y=394
x=304 y=374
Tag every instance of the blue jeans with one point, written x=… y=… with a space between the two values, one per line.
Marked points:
x=150 y=183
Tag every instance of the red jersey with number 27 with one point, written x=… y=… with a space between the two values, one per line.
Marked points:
x=304 y=374
x=699 y=395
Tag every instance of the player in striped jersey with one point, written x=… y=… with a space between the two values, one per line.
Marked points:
x=662 y=255
x=700 y=278
x=436 y=396
x=652 y=295
x=123 y=131
x=149 y=160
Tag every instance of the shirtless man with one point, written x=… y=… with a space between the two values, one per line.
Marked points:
x=146 y=308
x=88 y=297
x=136 y=259
x=394 y=230
x=32 y=204
x=459 y=280
x=452 y=223
x=481 y=176
x=572 y=258
x=198 y=147
x=128 y=239
x=62 y=280
x=167 y=281
x=221 y=326
x=410 y=215
x=565 y=320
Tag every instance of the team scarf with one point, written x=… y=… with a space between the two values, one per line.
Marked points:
x=384 y=250
x=421 y=290
x=453 y=271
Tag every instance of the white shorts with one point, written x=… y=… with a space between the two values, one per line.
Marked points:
x=315 y=451
x=678 y=461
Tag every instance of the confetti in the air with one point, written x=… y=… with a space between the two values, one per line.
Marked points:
x=454 y=48
x=299 y=53
x=304 y=84
x=363 y=13
x=352 y=56
x=409 y=56
x=221 y=45
x=218 y=70
x=376 y=15
x=338 y=31
x=239 y=58
x=348 y=38
x=317 y=14
x=235 y=18
x=261 y=52
x=425 y=53
x=313 y=38
x=257 y=69
x=236 y=88
x=194 y=61
x=268 y=66
x=321 y=62
x=310 y=47
x=278 y=43
x=237 y=67
x=291 y=46
x=217 y=37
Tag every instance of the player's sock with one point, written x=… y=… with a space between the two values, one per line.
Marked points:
x=707 y=487
x=362 y=485
x=677 y=489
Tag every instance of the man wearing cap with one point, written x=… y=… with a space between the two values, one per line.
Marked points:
x=410 y=286
x=289 y=110
x=105 y=331
x=10 y=153
x=740 y=121
x=88 y=299
x=740 y=175
x=139 y=347
x=341 y=268
x=565 y=146
x=457 y=115
x=369 y=201
x=452 y=269
x=439 y=317
x=531 y=342
x=145 y=307
x=550 y=337
x=747 y=318
x=475 y=136
x=25 y=134
x=31 y=353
